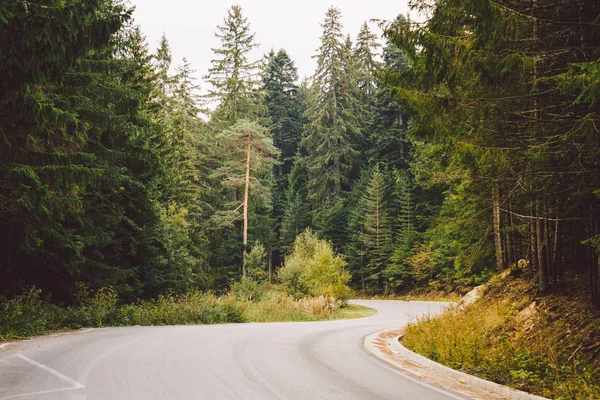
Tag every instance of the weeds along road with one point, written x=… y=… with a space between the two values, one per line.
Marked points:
x=299 y=360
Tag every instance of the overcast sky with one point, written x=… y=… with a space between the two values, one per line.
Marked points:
x=293 y=25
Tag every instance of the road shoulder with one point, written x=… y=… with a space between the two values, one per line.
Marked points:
x=385 y=346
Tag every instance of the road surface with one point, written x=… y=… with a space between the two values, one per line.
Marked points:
x=287 y=361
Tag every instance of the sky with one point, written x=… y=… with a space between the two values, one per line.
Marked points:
x=190 y=26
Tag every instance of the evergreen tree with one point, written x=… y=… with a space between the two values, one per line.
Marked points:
x=388 y=142
x=163 y=59
x=253 y=155
x=365 y=57
x=377 y=237
x=331 y=115
x=284 y=110
x=295 y=213
x=397 y=272
x=232 y=75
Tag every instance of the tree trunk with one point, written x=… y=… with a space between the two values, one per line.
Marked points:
x=533 y=247
x=510 y=244
x=541 y=254
x=593 y=263
x=556 y=253
x=271 y=266
x=246 y=190
x=497 y=226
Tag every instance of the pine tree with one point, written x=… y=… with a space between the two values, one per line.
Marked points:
x=377 y=237
x=163 y=58
x=253 y=154
x=232 y=75
x=388 y=142
x=397 y=271
x=331 y=117
x=295 y=212
x=284 y=108
x=365 y=57
x=285 y=112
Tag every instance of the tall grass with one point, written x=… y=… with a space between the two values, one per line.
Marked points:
x=489 y=340
x=277 y=307
x=32 y=314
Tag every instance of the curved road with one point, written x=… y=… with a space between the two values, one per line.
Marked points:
x=300 y=360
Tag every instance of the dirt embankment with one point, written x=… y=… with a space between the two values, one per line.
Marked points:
x=506 y=331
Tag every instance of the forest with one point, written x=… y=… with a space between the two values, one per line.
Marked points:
x=428 y=155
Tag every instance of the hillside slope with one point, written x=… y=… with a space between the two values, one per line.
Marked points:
x=548 y=345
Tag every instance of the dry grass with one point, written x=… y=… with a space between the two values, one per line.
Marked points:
x=277 y=307
x=549 y=348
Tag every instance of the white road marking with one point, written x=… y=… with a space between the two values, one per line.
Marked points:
x=16 y=396
x=72 y=382
x=86 y=330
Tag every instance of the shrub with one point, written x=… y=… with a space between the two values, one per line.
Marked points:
x=248 y=289
x=313 y=268
x=25 y=315
x=256 y=263
x=194 y=308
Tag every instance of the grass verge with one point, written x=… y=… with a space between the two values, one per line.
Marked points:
x=546 y=345
x=33 y=314
x=352 y=311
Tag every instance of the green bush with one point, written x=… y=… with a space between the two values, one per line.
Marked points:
x=313 y=268
x=25 y=315
x=194 y=308
x=256 y=263
x=248 y=289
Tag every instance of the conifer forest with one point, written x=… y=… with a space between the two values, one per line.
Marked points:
x=425 y=154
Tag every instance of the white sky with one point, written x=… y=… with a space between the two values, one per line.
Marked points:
x=293 y=25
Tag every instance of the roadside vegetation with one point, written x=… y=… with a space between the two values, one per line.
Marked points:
x=299 y=296
x=547 y=345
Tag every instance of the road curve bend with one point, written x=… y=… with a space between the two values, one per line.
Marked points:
x=287 y=361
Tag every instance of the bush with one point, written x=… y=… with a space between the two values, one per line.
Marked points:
x=25 y=315
x=194 y=308
x=314 y=269
x=256 y=263
x=247 y=289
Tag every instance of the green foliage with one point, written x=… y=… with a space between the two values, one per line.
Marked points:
x=193 y=308
x=497 y=339
x=332 y=112
x=314 y=269
x=24 y=315
x=256 y=263
x=285 y=107
x=231 y=74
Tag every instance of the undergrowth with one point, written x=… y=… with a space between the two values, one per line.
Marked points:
x=32 y=313
x=544 y=345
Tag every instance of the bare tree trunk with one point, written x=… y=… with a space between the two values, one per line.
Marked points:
x=511 y=240
x=555 y=252
x=246 y=190
x=271 y=266
x=543 y=267
x=497 y=226
x=593 y=263
x=533 y=247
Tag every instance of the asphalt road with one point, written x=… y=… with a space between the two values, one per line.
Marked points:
x=302 y=360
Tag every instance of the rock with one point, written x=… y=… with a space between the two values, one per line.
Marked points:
x=470 y=297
